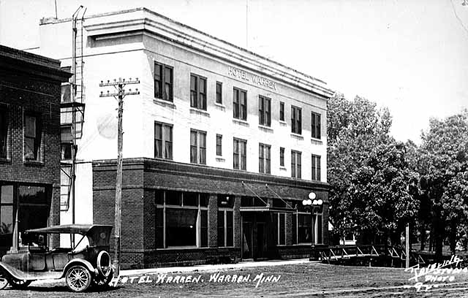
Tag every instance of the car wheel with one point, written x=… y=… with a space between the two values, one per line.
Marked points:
x=3 y=280
x=78 y=278
x=104 y=264
x=19 y=283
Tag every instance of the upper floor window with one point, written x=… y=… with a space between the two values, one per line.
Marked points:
x=219 y=92
x=316 y=125
x=3 y=132
x=281 y=156
x=316 y=167
x=219 y=145
x=32 y=137
x=162 y=140
x=163 y=81
x=240 y=104
x=240 y=154
x=296 y=120
x=296 y=163
x=198 y=146
x=264 y=158
x=197 y=92
x=264 y=111
x=281 y=116
x=66 y=139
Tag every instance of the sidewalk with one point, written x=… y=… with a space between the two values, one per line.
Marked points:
x=207 y=268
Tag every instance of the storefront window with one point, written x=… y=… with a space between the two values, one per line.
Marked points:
x=181 y=219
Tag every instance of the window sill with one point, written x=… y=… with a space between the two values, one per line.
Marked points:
x=240 y=122
x=220 y=159
x=34 y=163
x=316 y=141
x=297 y=136
x=283 y=123
x=199 y=112
x=5 y=160
x=220 y=106
x=265 y=128
x=283 y=169
x=182 y=248
x=164 y=103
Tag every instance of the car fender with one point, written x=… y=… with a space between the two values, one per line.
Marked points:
x=13 y=272
x=85 y=263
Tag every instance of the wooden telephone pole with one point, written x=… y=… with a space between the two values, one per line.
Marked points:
x=119 y=94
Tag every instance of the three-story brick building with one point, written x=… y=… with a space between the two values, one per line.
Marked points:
x=221 y=146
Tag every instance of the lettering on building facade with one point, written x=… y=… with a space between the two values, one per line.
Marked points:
x=248 y=77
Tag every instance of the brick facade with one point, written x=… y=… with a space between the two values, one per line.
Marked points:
x=142 y=177
x=31 y=84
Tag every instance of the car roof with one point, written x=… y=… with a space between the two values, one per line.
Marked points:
x=69 y=229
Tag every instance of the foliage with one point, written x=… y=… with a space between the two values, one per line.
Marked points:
x=368 y=171
x=443 y=165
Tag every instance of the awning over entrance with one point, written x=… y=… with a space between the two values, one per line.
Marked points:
x=278 y=204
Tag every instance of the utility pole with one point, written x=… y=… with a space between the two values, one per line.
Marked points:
x=119 y=94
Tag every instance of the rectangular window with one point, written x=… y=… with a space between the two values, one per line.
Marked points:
x=296 y=164
x=225 y=221
x=316 y=167
x=3 y=132
x=264 y=158
x=281 y=115
x=316 y=125
x=281 y=157
x=294 y=228
x=304 y=227
x=198 y=147
x=181 y=219
x=219 y=145
x=219 y=92
x=240 y=154
x=197 y=92
x=240 y=104
x=296 y=120
x=32 y=137
x=264 y=111
x=163 y=81
x=66 y=139
x=162 y=140
x=6 y=216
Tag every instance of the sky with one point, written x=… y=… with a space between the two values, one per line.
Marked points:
x=410 y=56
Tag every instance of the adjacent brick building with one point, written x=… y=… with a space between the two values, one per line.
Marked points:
x=221 y=146
x=29 y=143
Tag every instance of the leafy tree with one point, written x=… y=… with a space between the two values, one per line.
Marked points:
x=367 y=169
x=444 y=170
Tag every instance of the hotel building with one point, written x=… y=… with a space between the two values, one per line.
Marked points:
x=221 y=145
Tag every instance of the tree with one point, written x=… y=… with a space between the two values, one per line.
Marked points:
x=444 y=169
x=367 y=169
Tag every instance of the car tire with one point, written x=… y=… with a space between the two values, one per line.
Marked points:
x=78 y=278
x=18 y=283
x=3 y=279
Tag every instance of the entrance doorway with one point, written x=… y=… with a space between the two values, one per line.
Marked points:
x=254 y=236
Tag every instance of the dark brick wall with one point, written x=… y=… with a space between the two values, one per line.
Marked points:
x=142 y=177
x=32 y=84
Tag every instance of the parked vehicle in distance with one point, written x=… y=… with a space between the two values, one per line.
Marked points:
x=84 y=263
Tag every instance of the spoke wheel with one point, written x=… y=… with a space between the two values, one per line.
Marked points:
x=3 y=280
x=78 y=278
x=19 y=283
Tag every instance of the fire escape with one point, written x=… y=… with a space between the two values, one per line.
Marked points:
x=72 y=109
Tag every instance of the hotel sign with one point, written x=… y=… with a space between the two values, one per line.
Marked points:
x=248 y=77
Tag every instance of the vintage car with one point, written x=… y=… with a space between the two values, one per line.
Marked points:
x=84 y=264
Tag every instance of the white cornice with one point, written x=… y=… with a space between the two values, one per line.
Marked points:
x=142 y=19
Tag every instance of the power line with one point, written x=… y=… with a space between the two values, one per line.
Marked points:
x=458 y=18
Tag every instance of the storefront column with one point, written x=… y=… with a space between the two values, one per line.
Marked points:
x=213 y=221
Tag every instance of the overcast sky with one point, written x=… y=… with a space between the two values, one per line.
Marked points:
x=408 y=55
